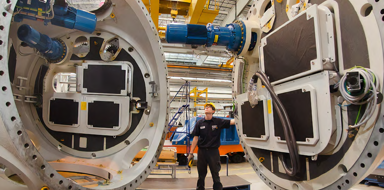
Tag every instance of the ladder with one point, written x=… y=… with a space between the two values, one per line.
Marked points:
x=177 y=115
x=183 y=92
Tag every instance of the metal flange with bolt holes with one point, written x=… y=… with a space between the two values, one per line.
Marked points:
x=24 y=148
x=366 y=151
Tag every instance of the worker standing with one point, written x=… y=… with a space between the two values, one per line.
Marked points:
x=207 y=137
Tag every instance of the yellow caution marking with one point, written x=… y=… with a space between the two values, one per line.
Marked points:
x=216 y=38
x=83 y=106
x=39 y=12
x=269 y=102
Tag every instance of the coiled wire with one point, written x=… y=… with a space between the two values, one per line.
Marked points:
x=367 y=96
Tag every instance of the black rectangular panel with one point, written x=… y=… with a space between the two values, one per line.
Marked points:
x=299 y=110
x=253 y=119
x=63 y=111
x=290 y=49
x=103 y=114
x=104 y=79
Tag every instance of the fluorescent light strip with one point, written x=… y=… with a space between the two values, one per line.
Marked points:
x=199 y=79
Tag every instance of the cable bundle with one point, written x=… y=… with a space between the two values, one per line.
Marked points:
x=288 y=130
x=367 y=95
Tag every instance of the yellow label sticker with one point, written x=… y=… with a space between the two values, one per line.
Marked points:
x=269 y=102
x=216 y=38
x=39 y=10
x=83 y=106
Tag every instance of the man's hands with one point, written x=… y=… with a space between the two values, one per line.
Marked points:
x=190 y=159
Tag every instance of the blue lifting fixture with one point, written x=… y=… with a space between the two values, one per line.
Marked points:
x=57 y=12
x=54 y=50
x=233 y=35
x=182 y=92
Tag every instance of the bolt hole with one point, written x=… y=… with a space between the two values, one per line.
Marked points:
x=362 y=165
x=19 y=133
x=1 y=72
x=376 y=143
x=1 y=57
x=130 y=49
x=8 y=1
x=369 y=155
x=377 y=0
x=26 y=145
x=1 y=27
x=381 y=130
x=52 y=175
x=8 y=104
x=1 y=42
x=98 y=34
x=4 y=88
x=69 y=187
x=146 y=75
x=136 y=181
x=93 y=155
x=366 y=10
x=4 y=14
x=61 y=182
x=354 y=174
x=43 y=167
x=382 y=11
x=34 y=157
x=339 y=187
x=13 y=118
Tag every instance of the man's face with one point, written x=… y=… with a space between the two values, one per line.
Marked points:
x=208 y=110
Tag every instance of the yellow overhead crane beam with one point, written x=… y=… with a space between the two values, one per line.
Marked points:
x=195 y=11
x=200 y=14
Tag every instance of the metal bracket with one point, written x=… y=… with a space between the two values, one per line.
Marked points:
x=154 y=89
x=21 y=83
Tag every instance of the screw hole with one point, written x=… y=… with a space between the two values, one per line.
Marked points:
x=19 y=133
x=13 y=118
x=1 y=42
x=362 y=165
x=69 y=187
x=381 y=130
x=339 y=187
x=43 y=167
x=347 y=181
x=52 y=175
x=26 y=145
x=1 y=57
x=4 y=88
x=8 y=104
x=1 y=27
x=382 y=11
x=130 y=49
x=4 y=14
x=376 y=143
x=61 y=182
x=354 y=174
x=369 y=155
x=34 y=157
x=146 y=75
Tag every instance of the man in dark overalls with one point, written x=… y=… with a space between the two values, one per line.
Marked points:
x=207 y=137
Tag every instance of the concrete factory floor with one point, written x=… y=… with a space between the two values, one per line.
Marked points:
x=244 y=171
